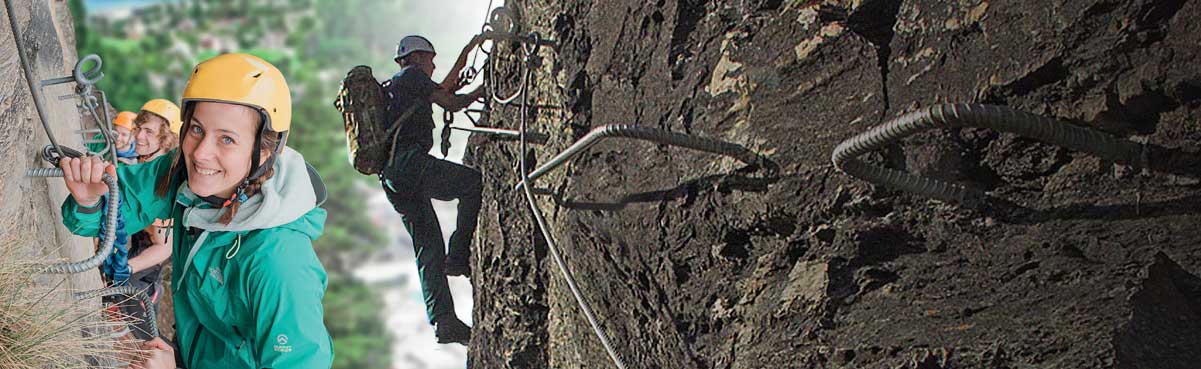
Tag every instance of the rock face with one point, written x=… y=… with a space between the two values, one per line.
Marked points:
x=692 y=263
x=29 y=207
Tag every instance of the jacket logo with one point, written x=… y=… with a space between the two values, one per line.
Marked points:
x=283 y=345
x=217 y=275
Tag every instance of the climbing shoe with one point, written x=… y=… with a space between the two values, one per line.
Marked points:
x=452 y=330
x=457 y=267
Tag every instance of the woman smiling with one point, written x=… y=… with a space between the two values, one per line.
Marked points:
x=247 y=283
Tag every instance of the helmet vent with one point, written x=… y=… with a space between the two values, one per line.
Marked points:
x=256 y=75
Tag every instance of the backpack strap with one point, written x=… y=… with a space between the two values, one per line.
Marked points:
x=395 y=133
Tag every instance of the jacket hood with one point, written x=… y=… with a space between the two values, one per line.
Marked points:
x=289 y=195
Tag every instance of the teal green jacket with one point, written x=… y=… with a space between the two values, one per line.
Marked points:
x=247 y=294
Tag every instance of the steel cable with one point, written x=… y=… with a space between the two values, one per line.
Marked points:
x=38 y=104
x=110 y=222
x=656 y=135
x=139 y=294
x=550 y=242
x=845 y=156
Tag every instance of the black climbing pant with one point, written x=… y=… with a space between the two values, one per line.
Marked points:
x=409 y=187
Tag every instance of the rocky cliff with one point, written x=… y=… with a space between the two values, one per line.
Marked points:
x=29 y=207
x=693 y=261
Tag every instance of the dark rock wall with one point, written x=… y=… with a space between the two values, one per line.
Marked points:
x=691 y=262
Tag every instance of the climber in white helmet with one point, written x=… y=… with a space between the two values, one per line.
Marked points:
x=414 y=177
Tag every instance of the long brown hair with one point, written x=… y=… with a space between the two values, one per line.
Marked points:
x=268 y=141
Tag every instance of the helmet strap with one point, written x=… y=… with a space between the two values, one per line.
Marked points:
x=255 y=157
x=144 y=157
x=257 y=170
x=239 y=194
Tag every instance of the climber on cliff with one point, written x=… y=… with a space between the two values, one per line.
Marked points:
x=414 y=177
x=158 y=126
x=124 y=127
x=141 y=137
x=158 y=129
x=245 y=209
x=124 y=130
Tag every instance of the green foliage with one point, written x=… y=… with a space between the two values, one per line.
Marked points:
x=360 y=339
x=77 y=15
x=320 y=39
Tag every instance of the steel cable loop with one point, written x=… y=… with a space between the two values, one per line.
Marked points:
x=484 y=29
x=644 y=133
x=476 y=52
x=90 y=76
x=1048 y=130
x=511 y=98
x=501 y=13
x=105 y=125
x=84 y=79
x=585 y=308
x=90 y=104
x=467 y=76
x=110 y=222
x=140 y=294
x=531 y=47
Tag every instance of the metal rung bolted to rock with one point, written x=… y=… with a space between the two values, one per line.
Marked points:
x=96 y=128
x=506 y=134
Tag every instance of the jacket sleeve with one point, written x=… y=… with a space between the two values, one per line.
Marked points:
x=285 y=291
x=140 y=205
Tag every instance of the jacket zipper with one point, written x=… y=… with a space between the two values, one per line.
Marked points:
x=240 y=336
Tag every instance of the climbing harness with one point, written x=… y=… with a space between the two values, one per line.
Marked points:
x=845 y=156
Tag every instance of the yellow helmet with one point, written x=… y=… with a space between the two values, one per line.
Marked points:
x=243 y=79
x=167 y=110
x=125 y=120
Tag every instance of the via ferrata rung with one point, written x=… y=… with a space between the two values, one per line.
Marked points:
x=505 y=134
